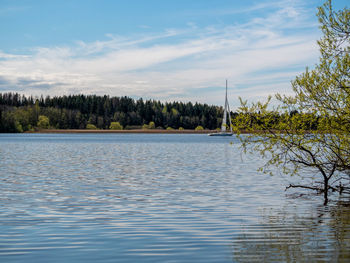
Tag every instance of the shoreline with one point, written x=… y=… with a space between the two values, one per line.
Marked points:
x=151 y=131
x=141 y=131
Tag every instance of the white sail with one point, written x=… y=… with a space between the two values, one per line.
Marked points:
x=229 y=116
x=223 y=126
x=224 y=120
x=226 y=111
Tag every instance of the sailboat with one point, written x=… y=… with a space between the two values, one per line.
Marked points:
x=227 y=111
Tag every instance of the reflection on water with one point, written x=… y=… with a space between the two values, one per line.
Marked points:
x=154 y=198
x=321 y=234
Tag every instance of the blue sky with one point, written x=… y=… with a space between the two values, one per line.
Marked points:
x=167 y=50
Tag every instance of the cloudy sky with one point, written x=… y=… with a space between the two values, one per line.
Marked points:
x=157 y=49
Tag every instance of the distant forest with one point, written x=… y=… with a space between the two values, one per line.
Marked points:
x=20 y=113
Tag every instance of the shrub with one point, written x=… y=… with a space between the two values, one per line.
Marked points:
x=151 y=125
x=90 y=126
x=199 y=128
x=18 y=127
x=43 y=122
x=115 y=126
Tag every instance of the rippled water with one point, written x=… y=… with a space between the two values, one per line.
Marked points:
x=155 y=198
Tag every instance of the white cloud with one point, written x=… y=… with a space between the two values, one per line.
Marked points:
x=259 y=57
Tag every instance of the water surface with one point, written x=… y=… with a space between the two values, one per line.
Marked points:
x=155 y=198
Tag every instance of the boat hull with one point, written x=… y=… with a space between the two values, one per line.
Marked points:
x=220 y=134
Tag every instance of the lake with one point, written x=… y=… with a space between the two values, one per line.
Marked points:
x=156 y=198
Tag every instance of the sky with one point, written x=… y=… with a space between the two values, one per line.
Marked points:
x=168 y=50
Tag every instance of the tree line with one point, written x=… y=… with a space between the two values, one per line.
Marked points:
x=20 y=113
